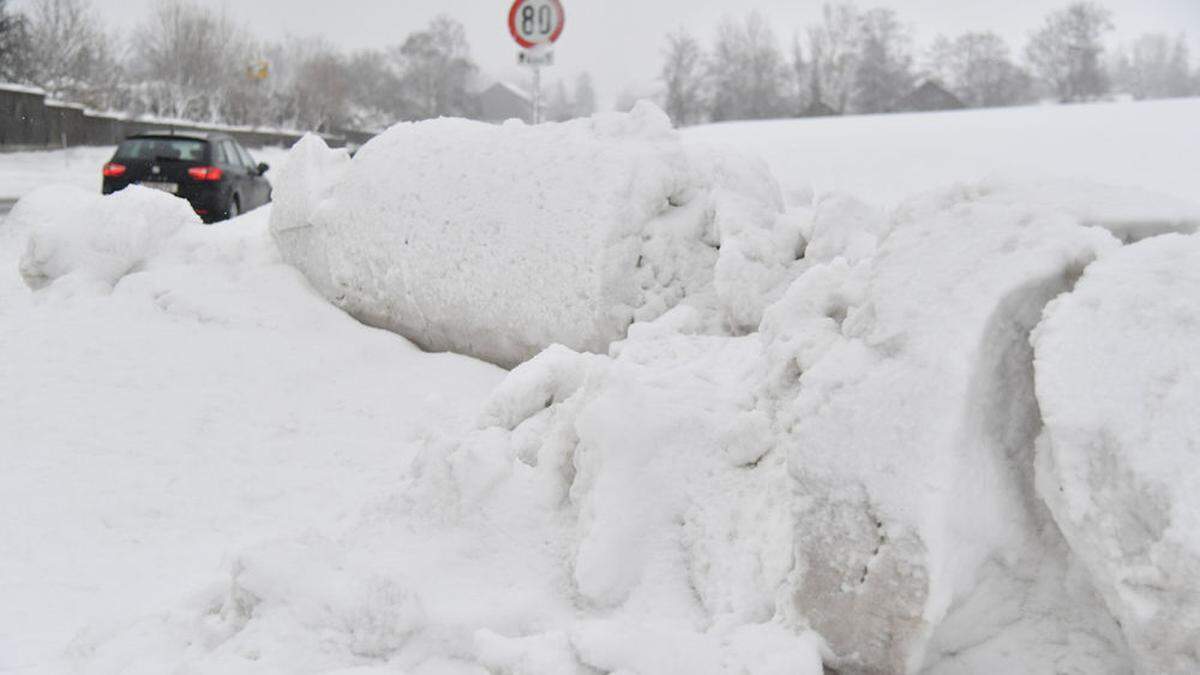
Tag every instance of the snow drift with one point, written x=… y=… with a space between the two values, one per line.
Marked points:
x=810 y=440
x=500 y=241
x=1118 y=378
x=94 y=239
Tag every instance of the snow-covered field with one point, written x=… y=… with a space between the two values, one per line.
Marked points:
x=936 y=419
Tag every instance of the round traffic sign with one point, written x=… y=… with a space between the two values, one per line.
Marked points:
x=536 y=22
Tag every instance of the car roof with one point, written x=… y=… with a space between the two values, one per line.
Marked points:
x=186 y=135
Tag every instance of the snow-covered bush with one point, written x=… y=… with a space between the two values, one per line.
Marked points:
x=1118 y=379
x=95 y=239
x=498 y=241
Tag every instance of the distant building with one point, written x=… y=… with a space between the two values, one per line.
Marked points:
x=928 y=97
x=818 y=109
x=505 y=101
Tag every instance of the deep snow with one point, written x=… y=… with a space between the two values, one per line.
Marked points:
x=261 y=484
x=563 y=234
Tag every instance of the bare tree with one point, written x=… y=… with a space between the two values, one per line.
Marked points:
x=801 y=77
x=560 y=108
x=746 y=71
x=834 y=50
x=14 y=45
x=66 y=51
x=585 y=96
x=683 y=76
x=436 y=70
x=376 y=99
x=884 y=69
x=1066 y=52
x=978 y=68
x=322 y=92
x=1155 y=66
x=189 y=59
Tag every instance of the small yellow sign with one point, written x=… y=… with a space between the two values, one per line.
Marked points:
x=259 y=70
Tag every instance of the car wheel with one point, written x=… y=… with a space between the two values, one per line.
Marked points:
x=235 y=208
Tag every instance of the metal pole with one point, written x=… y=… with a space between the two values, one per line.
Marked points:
x=537 y=95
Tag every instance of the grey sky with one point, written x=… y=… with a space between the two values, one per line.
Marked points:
x=618 y=41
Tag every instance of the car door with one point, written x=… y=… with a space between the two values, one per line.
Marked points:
x=262 y=187
x=236 y=169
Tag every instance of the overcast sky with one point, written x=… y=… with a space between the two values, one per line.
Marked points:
x=619 y=41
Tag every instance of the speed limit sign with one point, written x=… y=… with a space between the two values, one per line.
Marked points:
x=536 y=22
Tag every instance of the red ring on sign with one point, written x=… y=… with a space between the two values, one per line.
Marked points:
x=512 y=24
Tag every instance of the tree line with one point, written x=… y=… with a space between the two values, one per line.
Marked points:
x=187 y=60
x=856 y=61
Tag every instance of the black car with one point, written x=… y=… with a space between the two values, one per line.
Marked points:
x=212 y=171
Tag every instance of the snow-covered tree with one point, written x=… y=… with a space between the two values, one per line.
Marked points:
x=978 y=68
x=683 y=76
x=67 y=53
x=584 y=102
x=747 y=73
x=884 y=70
x=834 y=52
x=1154 y=66
x=437 y=70
x=191 y=61
x=801 y=77
x=559 y=107
x=376 y=99
x=1066 y=52
x=13 y=45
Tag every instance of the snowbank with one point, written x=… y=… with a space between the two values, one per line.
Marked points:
x=1118 y=379
x=498 y=241
x=851 y=485
x=906 y=404
x=814 y=447
x=92 y=238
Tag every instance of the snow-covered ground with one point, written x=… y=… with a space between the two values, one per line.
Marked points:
x=886 y=158
x=207 y=467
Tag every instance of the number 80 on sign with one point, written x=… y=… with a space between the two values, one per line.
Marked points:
x=536 y=22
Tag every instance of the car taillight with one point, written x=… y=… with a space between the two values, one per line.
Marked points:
x=112 y=170
x=210 y=173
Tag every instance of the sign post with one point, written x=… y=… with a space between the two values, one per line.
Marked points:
x=536 y=25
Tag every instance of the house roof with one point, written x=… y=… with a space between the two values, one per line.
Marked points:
x=513 y=89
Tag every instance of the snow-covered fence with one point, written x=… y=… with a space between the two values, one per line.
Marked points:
x=29 y=121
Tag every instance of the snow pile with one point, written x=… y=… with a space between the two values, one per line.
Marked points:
x=95 y=239
x=1118 y=378
x=155 y=426
x=860 y=469
x=500 y=241
x=906 y=403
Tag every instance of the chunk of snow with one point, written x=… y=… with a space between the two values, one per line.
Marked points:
x=93 y=238
x=908 y=410
x=498 y=241
x=1118 y=380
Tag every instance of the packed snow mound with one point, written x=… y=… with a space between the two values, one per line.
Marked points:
x=498 y=241
x=91 y=238
x=1118 y=379
x=907 y=411
x=859 y=469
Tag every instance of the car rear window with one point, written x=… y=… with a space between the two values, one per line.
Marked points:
x=183 y=149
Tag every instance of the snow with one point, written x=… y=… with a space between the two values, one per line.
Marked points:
x=1119 y=384
x=23 y=172
x=834 y=446
x=887 y=158
x=619 y=222
x=171 y=418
